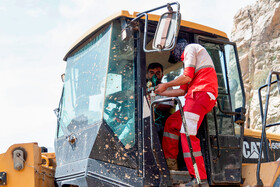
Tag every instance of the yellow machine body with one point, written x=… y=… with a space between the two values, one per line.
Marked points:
x=33 y=172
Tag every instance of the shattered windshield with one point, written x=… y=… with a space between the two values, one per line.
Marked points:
x=84 y=85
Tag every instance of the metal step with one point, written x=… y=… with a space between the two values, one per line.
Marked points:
x=179 y=177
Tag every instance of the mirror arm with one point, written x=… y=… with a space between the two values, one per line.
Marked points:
x=141 y=14
x=170 y=9
x=168 y=5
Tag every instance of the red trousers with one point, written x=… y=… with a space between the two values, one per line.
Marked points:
x=195 y=107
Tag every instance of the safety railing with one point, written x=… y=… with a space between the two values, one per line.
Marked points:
x=264 y=120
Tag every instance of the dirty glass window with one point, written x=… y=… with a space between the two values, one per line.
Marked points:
x=224 y=122
x=119 y=107
x=84 y=85
x=233 y=77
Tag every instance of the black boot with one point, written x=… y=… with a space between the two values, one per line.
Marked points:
x=193 y=183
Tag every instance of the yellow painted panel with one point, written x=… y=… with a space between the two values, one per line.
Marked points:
x=268 y=173
x=31 y=174
x=258 y=133
x=24 y=176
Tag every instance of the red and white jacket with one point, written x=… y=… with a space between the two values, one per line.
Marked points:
x=199 y=66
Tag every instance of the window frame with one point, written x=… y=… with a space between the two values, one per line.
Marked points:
x=199 y=38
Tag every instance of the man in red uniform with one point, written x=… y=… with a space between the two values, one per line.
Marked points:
x=200 y=86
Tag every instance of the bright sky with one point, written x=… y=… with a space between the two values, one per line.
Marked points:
x=36 y=34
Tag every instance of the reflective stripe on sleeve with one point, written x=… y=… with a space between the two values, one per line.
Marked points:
x=190 y=65
x=195 y=154
x=172 y=136
x=206 y=66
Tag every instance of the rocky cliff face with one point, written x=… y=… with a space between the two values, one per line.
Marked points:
x=257 y=34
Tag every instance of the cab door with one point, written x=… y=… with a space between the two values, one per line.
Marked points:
x=222 y=134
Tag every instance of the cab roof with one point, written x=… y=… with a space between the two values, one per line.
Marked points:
x=152 y=17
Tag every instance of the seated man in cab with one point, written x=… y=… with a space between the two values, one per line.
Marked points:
x=200 y=86
x=154 y=76
x=163 y=110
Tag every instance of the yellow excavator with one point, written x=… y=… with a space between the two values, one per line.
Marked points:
x=107 y=133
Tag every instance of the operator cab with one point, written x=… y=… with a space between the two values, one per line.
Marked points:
x=105 y=135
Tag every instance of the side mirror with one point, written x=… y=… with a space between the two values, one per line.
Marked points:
x=167 y=28
x=167 y=31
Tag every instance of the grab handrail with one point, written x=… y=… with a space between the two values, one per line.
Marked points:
x=264 y=118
